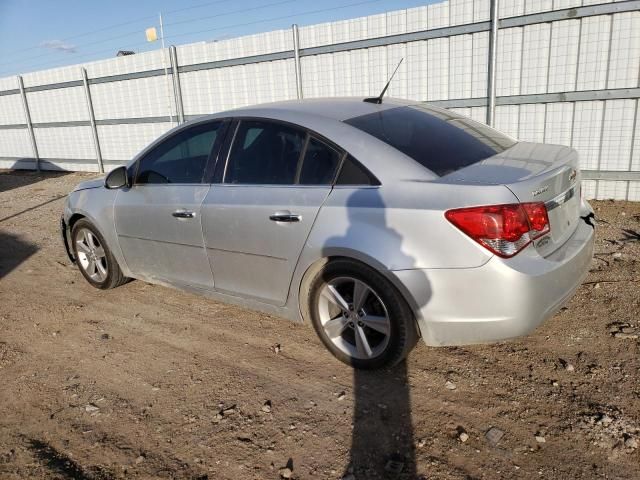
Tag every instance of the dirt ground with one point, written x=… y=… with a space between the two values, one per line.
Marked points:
x=147 y=382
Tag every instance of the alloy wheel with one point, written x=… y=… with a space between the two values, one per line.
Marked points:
x=354 y=317
x=91 y=255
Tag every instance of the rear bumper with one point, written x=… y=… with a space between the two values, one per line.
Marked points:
x=503 y=298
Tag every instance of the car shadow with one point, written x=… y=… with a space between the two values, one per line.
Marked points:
x=10 y=179
x=382 y=442
x=13 y=251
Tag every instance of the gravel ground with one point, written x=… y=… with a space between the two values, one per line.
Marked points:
x=147 y=382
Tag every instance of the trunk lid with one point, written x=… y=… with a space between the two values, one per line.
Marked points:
x=535 y=172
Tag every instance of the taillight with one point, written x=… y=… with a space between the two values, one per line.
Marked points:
x=502 y=229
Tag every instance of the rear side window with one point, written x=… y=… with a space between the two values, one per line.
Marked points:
x=352 y=173
x=436 y=138
x=264 y=153
x=180 y=159
x=320 y=163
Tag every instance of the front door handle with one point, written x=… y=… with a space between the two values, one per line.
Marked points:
x=285 y=217
x=183 y=214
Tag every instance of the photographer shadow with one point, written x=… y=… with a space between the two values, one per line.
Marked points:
x=382 y=443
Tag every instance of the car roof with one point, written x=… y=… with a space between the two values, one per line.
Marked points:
x=326 y=116
x=335 y=108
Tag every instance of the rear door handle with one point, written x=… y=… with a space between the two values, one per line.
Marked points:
x=183 y=214
x=285 y=217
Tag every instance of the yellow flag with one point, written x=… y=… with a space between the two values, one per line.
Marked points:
x=152 y=34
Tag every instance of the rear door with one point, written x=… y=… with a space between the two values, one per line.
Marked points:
x=158 y=218
x=257 y=218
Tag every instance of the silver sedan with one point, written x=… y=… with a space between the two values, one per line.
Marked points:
x=378 y=223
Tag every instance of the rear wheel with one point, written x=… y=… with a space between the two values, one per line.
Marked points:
x=360 y=316
x=94 y=259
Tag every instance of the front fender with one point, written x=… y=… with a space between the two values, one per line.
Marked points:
x=97 y=206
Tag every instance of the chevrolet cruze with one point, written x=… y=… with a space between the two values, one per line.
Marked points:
x=378 y=222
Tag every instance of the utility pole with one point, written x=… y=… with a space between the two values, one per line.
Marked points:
x=166 y=71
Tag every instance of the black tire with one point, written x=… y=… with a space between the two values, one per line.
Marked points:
x=114 y=277
x=403 y=331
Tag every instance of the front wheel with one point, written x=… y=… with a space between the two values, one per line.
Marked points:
x=360 y=316
x=94 y=259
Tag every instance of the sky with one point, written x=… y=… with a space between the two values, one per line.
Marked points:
x=42 y=34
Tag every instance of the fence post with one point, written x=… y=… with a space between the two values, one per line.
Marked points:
x=27 y=116
x=296 y=56
x=491 y=71
x=92 y=120
x=177 y=90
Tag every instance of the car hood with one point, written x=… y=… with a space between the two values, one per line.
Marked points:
x=95 y=183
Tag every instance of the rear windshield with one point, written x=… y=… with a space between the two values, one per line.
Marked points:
x=438 y=139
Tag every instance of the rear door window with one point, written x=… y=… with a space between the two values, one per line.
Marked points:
x=438 y=139
x=320 y=163
x=264 y=153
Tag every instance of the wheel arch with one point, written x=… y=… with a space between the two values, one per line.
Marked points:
x=353 y=255
x=109 y=238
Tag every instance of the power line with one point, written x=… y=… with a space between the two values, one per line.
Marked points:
x=226 y=27
x=111 y=27
x=89 y=54
x=294 y=15
x=139 y=32
x=121 y=24
x=233 y=12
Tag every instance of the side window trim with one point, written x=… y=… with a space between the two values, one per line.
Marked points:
x=303 y=153
x=217 y=150
x=229 y=147
x=203 y=179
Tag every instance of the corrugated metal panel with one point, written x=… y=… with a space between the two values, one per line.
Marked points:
x=507 y=119
x=12 y=110
x=15 y=143
x=510 y=8
x=587 y=130
x=438 y=69
x=63 y=104
x=594 y=53
x=479 y=68
x=417 y=70
x=123 y=142
x=611 y=190
x=563 y=55
x=615 y=150
x=438 y=15
x=535 y=58
x=531 y=122
x=509 y=61
x=536 y=6
x=460 y=72
x=65 y=142
x=558 y=121
x=461 y=12
x=625 y=50
x=142 y=97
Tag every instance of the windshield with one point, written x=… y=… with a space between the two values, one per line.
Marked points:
x=438 y=139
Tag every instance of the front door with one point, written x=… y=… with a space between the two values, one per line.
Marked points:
x=158 y=219
x=257 y=220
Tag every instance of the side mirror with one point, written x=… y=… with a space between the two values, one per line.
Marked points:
x=117 y=178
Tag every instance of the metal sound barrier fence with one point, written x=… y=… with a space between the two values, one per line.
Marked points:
x=555 y=71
